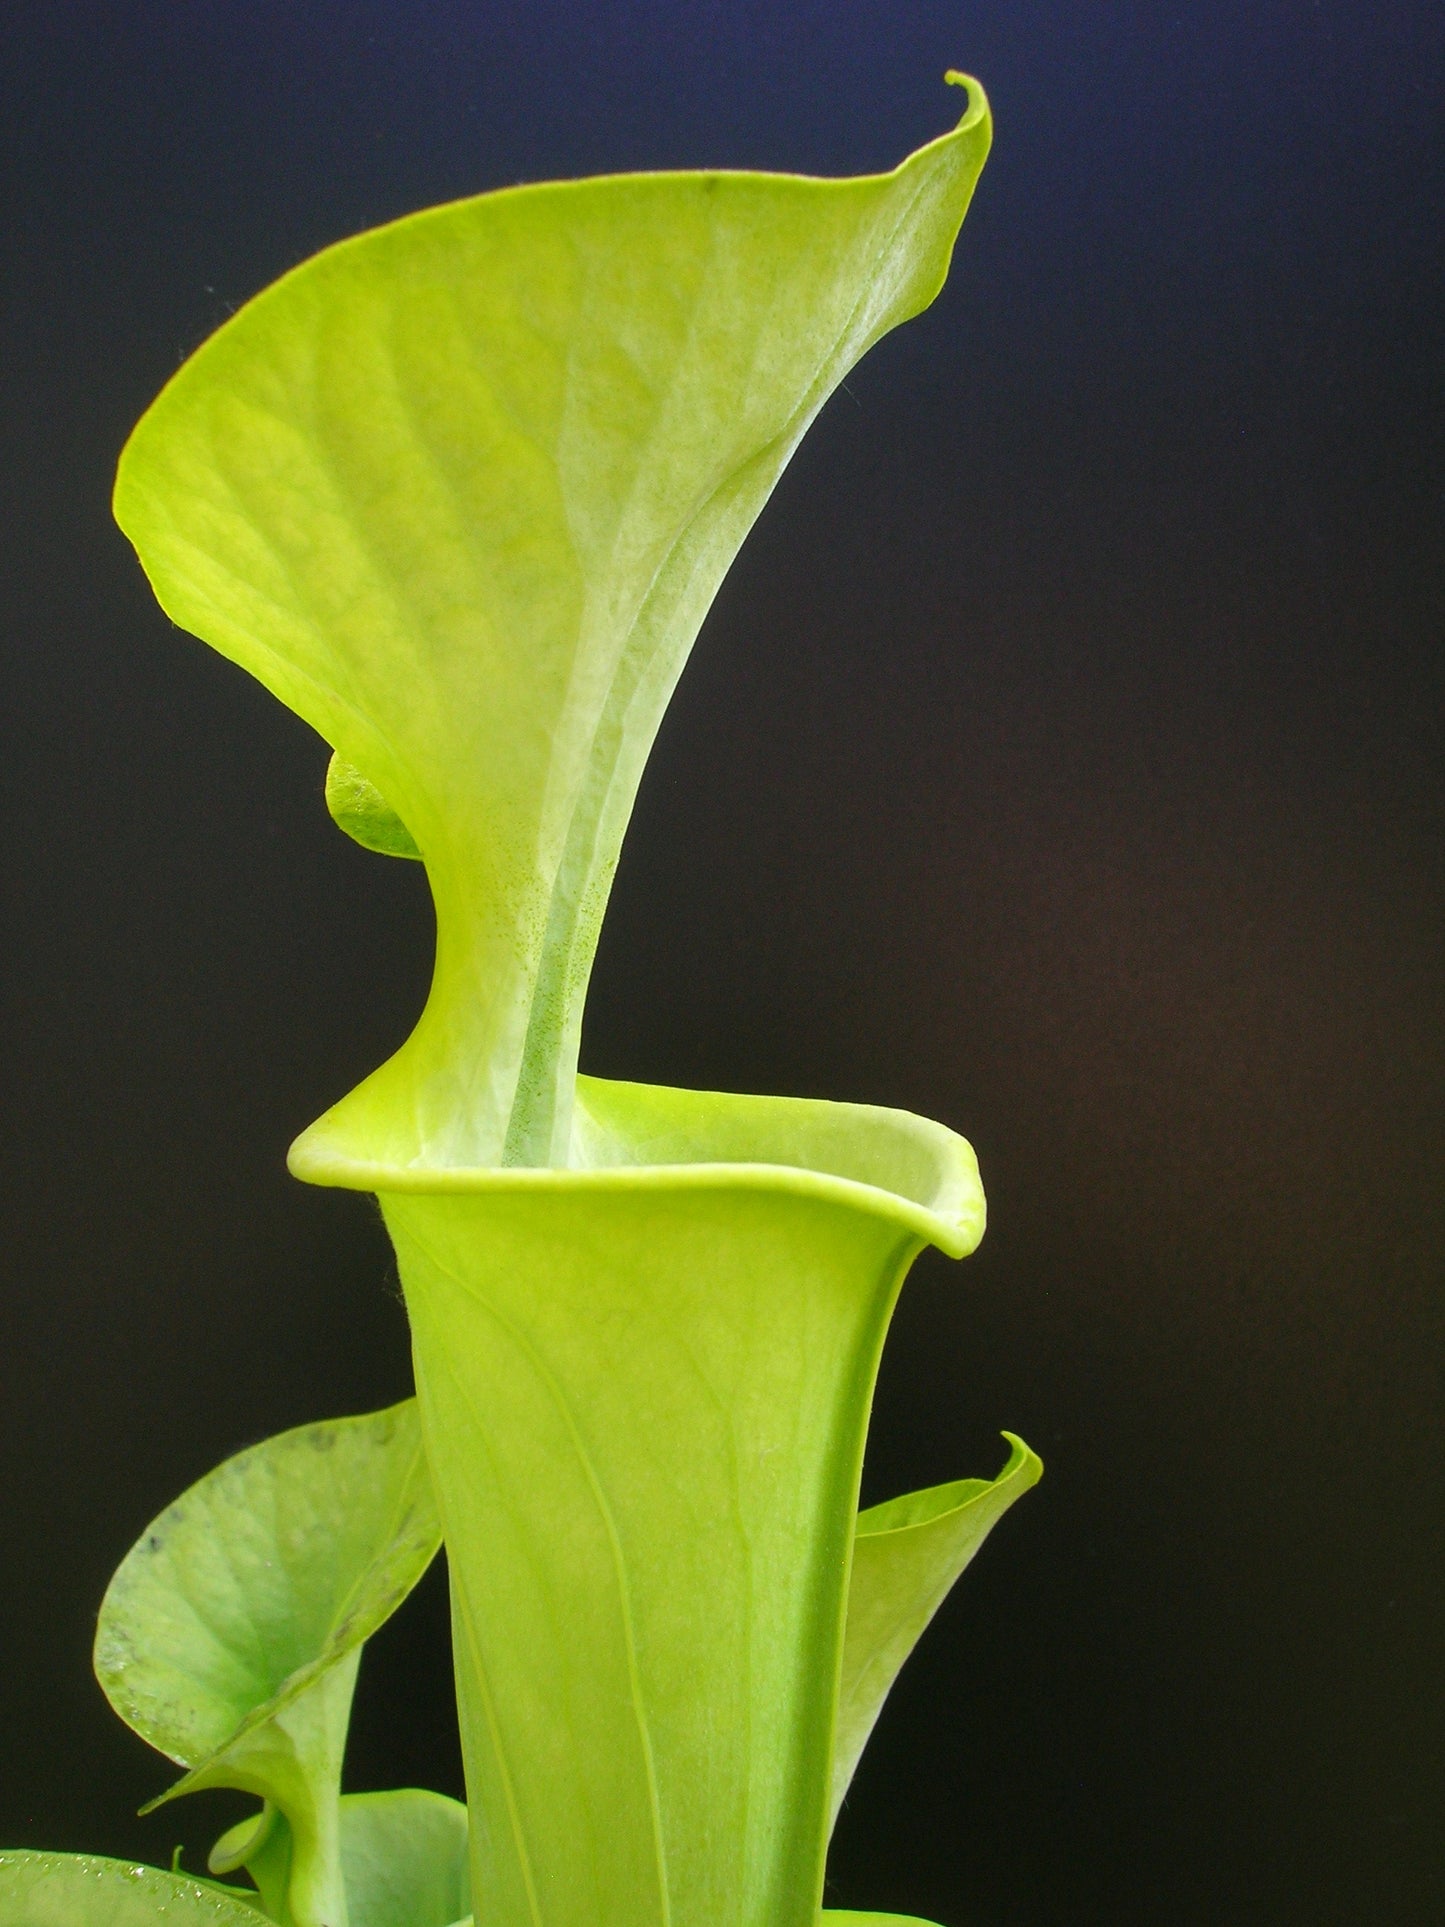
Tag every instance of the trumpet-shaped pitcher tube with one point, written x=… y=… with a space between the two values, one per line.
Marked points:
x=645 y=1385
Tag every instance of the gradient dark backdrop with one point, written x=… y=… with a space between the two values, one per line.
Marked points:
x=1062 y=759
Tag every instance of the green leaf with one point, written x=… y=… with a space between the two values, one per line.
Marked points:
x=835 y=1917
x=80 y=1890
x=907 y=1553
x=460 y=491
x=230 y=1635
x=405 y=1858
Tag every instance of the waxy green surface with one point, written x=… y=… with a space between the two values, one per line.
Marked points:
x=82 y=1890
x=230 y=1635
x=460 y=492
x=341 y=1510
x=907 y=1555
x=645 y=1389
x=405 y=1859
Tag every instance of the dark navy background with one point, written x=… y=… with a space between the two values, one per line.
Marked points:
x=1063 y=759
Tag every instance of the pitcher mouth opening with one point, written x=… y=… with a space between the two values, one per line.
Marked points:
x=643 y=1137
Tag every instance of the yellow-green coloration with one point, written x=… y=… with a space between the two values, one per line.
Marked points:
x=907 y=1554
x=405 y=1858
x=460 y=492
x=358 y=807
x=645 y=1389
x=230 y=1635
x=81 y=1890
